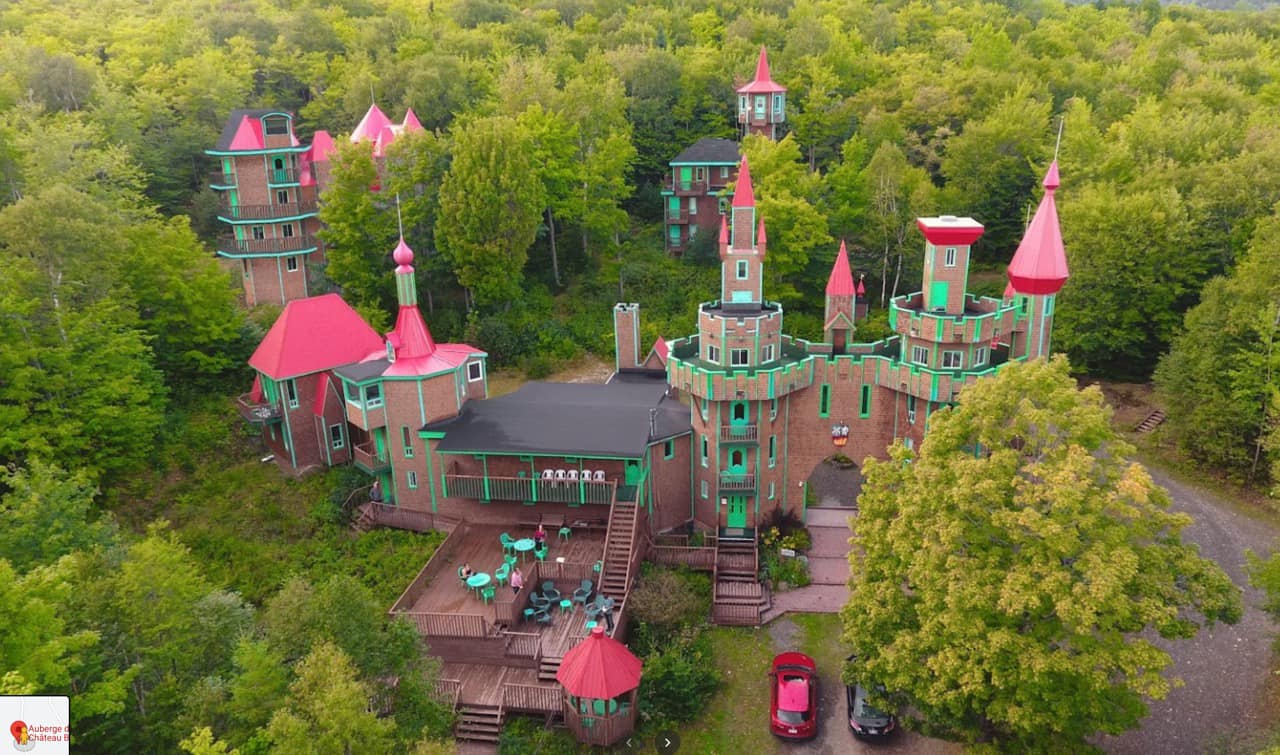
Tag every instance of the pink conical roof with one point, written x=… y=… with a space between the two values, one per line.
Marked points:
x=841 y=281
x=1040 y=264
x=411 y=122
x=321 y=147
x=385 y=138
x=248 y=135
x=599 y=667
x=763 y=82
x=761 y=237
x=724 y=230
x=744 y=195
x=370 y=126
x=862 y=290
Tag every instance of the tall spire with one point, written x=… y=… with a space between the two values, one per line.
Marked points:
x=840 y=283
x=411 y=339
x=1040 y=264
x=744 y=194
x=763 y=83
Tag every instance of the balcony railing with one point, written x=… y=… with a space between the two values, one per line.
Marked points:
x=368 y=458
x=258 y=412
x=282 y=176
x=219 y=178
x=233 y=247
x=737 y=481
x=267 y=211
x=739 y=433
x=529 y=489
x=680 y=216
x=691 y=186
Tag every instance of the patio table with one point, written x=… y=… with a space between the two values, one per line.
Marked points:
x=523 y=546
x=478 y=580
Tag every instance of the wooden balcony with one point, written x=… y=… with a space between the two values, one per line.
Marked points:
x=529 y=489
x=737 y=482
x=219 y=179
x=267 y=211
x=368 y=458
x=258 y=412
x=232 y=247
x=282 y=176
x=739 y=434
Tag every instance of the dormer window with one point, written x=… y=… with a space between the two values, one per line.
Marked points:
x=276 y=125
x=391 y=352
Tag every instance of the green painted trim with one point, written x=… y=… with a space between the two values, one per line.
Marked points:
x=276 y=255
x=431 y=480
x=259 y=221
x=485 y=461
x=674 y=164
x=478 y=453
x=280 y=277
x=247 y=152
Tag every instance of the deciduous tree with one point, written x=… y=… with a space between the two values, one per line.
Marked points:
x=1004 y=576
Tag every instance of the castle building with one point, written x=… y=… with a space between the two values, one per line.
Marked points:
x=695 y=193
x=270 y=185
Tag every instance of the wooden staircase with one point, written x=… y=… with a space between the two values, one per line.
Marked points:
x=1151 y=422
x=619 y=542
x=739 y=597
x=365 y=519
x=547 y=668
x=479 y=723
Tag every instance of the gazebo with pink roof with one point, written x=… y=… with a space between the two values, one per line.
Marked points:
x=600 y=677
x=762 y=101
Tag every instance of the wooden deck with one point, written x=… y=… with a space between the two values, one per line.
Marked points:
x=482 y=549
x=482 y=685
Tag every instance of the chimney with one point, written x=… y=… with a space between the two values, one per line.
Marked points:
x=653 y=423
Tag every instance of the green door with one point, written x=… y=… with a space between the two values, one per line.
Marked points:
x=686 y=178
x=938 y=295
x=633 y=473
x=673 y=206
x=380 y=443
x=738 y=419
x=736 y=518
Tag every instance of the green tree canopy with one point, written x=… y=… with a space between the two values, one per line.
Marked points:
x=1003 y=577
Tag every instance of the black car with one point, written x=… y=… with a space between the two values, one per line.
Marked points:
x=866 y=721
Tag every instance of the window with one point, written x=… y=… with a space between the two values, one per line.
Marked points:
x=778 y=102
x=1022 y=304
x=743 y=270
x=391 y=352
x=699 y=174
x=824 y=401
x=411 y=477
x=475 y=371
x=724 y=172
x=911 y=409
x=257 y=233
x=772 y=490
x=704 y=450
x=742 y=103
x=703 y=489
x=693 y=231
x=693 y=203
x=275 y=126
x=278 y=163
x=767 y=354
x=773 y=450
x=723 y=204
x=291 y=264
x=282 y=196
x=760 y=100
x=920 y=355
x=950 y=259
x=336 y=438
x=704 y=408
x=980 y=356
x=669 y=449
x=406 y=439
x=713 y=353
x=864 y=406
x=286 y=230
x=291 y=389
x=952 y=360
x=372 y=396
x=739 y=357
x=773 y=409
x=1048 y=306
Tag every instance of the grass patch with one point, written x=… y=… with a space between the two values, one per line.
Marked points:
x=736 y=720
x=820 y=639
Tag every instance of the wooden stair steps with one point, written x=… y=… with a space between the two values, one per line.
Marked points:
x=480 y=723
x=547 y=669
x=1152 y=421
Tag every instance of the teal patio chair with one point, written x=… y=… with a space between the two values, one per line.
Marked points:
x=508 y=543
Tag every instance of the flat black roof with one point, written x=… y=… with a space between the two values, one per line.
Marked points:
x=709 y=150
x=569 y=419
x=361 y=371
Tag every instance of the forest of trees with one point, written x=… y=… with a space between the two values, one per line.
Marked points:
x=533 y=202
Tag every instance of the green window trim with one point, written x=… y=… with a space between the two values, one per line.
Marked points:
x=407 y=440
x=864 y=408
x=703 y=489
x=911 y=409
x=773 y=452
x=824 y=400
x=411 y=479
x=743 y=270
x=291 y=388
x=669 y=449
x=705 y=451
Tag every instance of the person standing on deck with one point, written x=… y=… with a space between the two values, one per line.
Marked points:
x=517 y=580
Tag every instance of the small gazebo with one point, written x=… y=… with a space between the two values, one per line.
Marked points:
x=600 y=677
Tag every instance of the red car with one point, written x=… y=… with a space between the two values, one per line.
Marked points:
x=793 y=696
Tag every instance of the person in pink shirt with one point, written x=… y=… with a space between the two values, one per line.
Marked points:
x=517 y=580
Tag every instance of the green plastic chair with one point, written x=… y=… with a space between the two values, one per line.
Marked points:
x=502 y=573
x=487 y=593
x=508 y=543
x=565 y=533
x=510 y=560
x=542 y=554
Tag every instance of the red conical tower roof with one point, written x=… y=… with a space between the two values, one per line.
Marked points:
x=841 y=281
x=411 y=123
x=862 y=290
x=744 y=195
x=370 y=126
x=761 y=237
x=724 y=230
x=599 y=667
x=763 y=82
x=411 y=337
x=1040 y=264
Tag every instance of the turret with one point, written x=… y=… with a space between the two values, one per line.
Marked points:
x=841 y=301
x=742 y=258
x=762 y=104
x=1037 y=272
x=948 y=240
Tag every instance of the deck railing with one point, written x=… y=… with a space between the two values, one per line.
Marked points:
x=258 y=412
x=735 y=615
x=400 y=518
x=368 y=456
x=737 y=481
x=601 y=730
x=444 y=554
x=739 y=433
x=530 y=489
x=534 y=698
x=449 y=690
x=524 y=644
x=231 y=246
x=430 y=624
x=267 y=211
x=694 y=558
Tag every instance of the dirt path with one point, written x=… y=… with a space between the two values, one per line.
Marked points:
x=1225 y=669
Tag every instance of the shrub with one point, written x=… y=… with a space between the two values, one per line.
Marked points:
x=679 y=680
x=523 y=734
x=666 y=599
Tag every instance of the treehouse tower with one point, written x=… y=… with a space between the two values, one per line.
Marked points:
x=762 y=104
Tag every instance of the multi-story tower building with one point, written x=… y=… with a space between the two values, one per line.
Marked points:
x=268 y=181
x=762 y=103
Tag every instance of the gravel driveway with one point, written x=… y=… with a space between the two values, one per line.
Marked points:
x=1225 y=669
